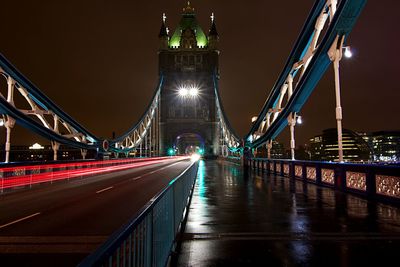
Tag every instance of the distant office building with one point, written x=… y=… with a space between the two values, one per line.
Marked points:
x=384 y=145
x=325 y=147
x=277 y=151
x=37 y=152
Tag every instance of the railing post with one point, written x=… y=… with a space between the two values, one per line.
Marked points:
x=149 y=241
x=370 y=182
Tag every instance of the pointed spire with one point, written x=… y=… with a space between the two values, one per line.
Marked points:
x=213 y=29
x=164 y=29
x=188 y=9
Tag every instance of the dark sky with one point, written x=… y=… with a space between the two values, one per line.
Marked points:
x=98 y=59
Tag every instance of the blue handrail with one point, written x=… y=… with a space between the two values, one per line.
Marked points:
x=148 y=238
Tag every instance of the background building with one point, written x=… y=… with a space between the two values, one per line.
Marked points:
x=384 y=145
x=37 y=152
x=325 y=147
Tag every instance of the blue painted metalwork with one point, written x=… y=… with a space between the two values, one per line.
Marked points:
x=29 y=123
x=343 y=22
x=147 y=240
x=45 y=103
x=295 y=55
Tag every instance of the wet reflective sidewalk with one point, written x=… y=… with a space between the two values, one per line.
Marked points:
x=252 y=219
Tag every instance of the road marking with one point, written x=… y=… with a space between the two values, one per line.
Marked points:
x=148 y=173
x=105 y=189
x=19 y=220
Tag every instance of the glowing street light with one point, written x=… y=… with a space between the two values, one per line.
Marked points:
x=183 y=92
x=194 y=91
x=347 y=52
x=188 y=91
x=299 y=120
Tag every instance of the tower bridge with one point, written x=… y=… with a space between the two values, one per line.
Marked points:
x=188 y=60
x=186 y=116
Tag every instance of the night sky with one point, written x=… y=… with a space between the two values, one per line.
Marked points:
x=98 y=60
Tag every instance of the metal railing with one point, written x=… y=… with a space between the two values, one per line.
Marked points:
x=147 y=240
x=376 y=181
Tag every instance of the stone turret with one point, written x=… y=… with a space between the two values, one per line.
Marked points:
x=163 y=35
x=213 y=36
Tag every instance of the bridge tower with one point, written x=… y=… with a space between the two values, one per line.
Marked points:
x=188 y=59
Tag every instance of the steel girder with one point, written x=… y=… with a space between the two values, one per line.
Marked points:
x=307 y=62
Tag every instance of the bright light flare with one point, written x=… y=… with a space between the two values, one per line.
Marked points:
x=347 y=52
x=195 y=157
x=183 y=92
x=299 y=120
x=194 y=92
x=188 y=91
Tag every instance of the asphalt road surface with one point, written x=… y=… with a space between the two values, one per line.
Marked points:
x=59 y=224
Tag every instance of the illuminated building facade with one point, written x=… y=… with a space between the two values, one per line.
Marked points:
x=325 y=147
x=188 y=60
x=385 y=145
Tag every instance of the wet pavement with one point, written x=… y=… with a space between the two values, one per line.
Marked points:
x=252 y=219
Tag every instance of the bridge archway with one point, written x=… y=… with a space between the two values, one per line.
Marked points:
x=189 y=143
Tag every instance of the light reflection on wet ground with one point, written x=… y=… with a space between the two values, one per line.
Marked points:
x=251 y=219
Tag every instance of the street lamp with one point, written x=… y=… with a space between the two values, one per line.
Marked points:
x=299 y=120
x=347 y=52
x=183 y=91
x=192 y=91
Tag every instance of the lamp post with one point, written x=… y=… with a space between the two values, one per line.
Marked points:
x=292 y=120
x=335 y=54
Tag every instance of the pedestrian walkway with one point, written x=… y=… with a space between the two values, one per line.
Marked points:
x=239 y=218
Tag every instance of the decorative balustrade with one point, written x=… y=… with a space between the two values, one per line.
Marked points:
x=278 y=169
x=311 y=173
x=328 y=176
x=286 y=169
x=388 y=185
x=298 y=171
x=356 y=180
x=372 y=180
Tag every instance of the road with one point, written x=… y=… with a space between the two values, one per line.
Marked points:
x=59 y=224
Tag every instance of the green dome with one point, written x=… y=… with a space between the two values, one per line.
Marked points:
x=188 y=21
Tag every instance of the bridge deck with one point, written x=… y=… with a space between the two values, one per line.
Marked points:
x=250 y=219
